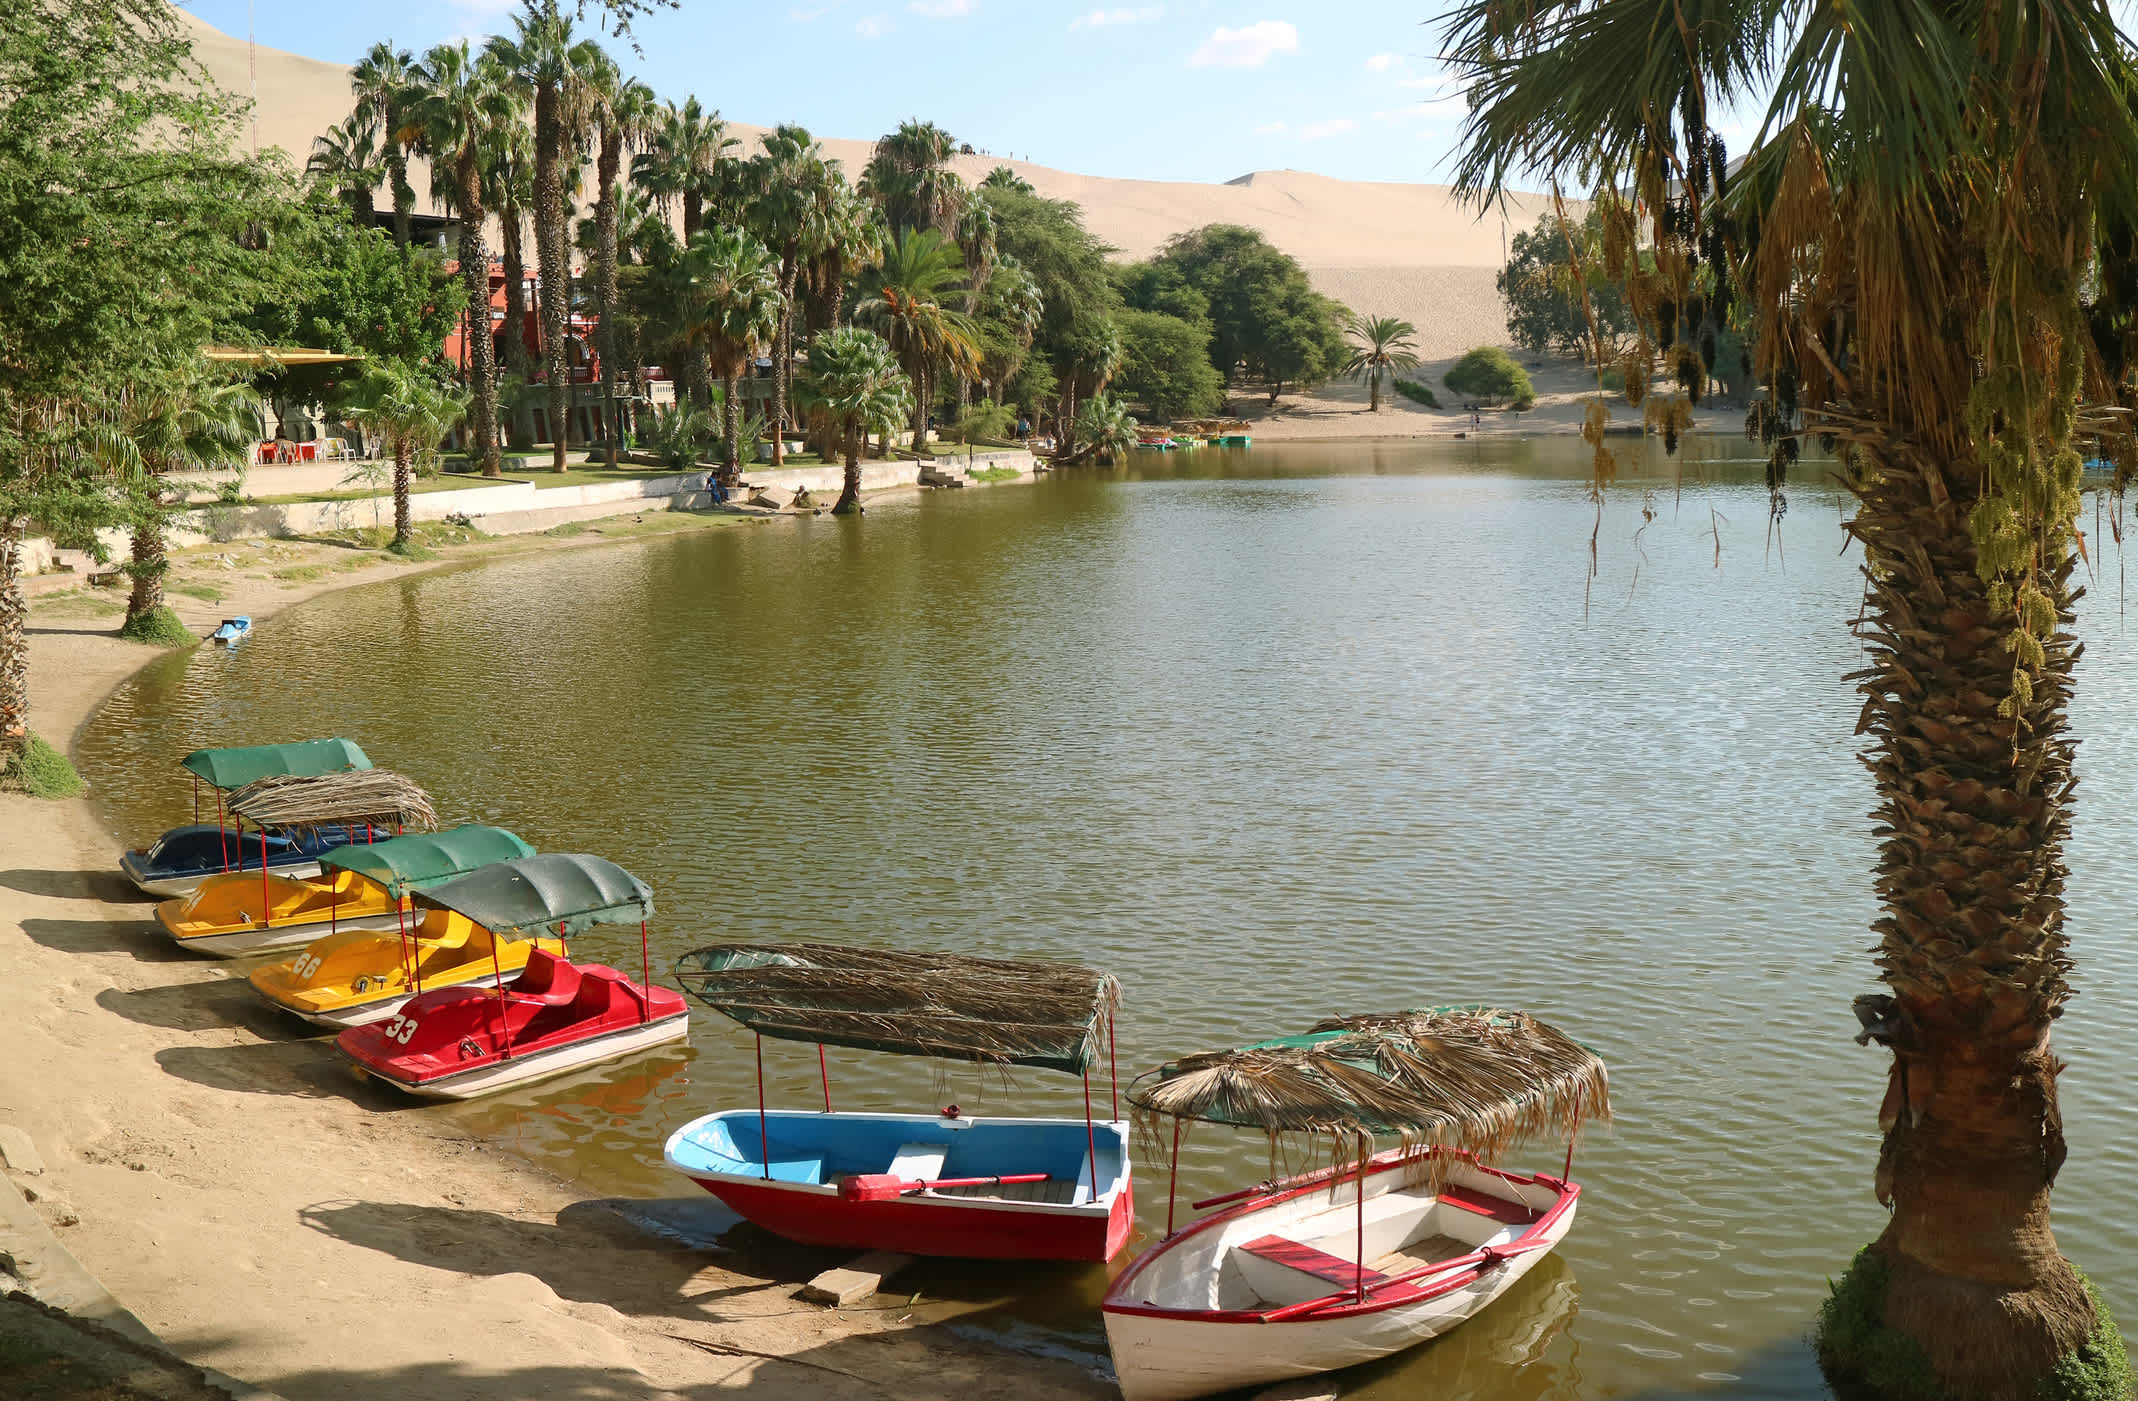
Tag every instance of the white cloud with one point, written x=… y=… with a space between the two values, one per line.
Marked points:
x=941 y=9
x=802 y=16
x=1381 y=63
x=1250 y=47
x=1271 y=129
x=872 y=26
x=1104 y=17
x=1335 y=126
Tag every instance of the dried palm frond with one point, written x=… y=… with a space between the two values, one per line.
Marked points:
x=374 y=797
x=1477 y=1080
x=951 y=1006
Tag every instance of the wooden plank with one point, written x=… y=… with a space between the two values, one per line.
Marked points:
x=854 y=1281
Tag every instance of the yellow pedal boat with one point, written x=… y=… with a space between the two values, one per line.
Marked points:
x=353 y=978
x=359 y=887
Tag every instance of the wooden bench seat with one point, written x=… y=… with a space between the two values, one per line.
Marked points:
x=1334 y=1269
x=1485 y=1204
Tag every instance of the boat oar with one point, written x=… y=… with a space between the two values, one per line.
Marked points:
x=883 y=1187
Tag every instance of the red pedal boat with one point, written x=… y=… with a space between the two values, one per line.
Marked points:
x=557 y=1016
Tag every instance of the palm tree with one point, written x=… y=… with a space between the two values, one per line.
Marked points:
x=458 y=100
x=1004 y=178
x=681 y=161
x=976 y=240
x=184 y=422
x=508 y=189
x=624 y=113
x=854 y=240
x=549 y=66
x=1104 y=430
x=1093 y=361
x=1014 y=301
x=346 y=160
x=1384 y=347
x=909 y=177
x=380 y=84
x=920 y=270
x=853 y=377
x=721 y=297
x=791 y=211
x=412 y=411
x=1940 y=195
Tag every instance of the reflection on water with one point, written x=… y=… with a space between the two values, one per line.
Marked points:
x=1271 y=734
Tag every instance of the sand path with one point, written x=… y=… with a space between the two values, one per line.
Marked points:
x=268 y=1217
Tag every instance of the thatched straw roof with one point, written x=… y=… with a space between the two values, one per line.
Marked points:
x=1473 y=1078
x=945 y=1005
x=378 y=797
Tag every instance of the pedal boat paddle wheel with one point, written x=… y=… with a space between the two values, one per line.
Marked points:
x=247 y=912
x=1379 y=1251
x=557 y=1016
x=362 y=969
x=947 y=1184
x=179 y=860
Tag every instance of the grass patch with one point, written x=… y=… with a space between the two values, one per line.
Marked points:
x=42 y=772
x=566 y=530
x=412 y=549
x=993 y=474
x=299 y=574
x=206 y=593
x=2100 y=1370
x=75 y=603
x=1417 y=393
x=587 y=476
x=159 y=627
x=419 y=487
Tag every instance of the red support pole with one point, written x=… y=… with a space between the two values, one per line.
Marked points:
x=1113 y=1067
x=824 y=1069
x=220 y=839
x=1364 y=1156
x=764 y=1139
x=645 y=973
x=1091 y=1142
x=267 y=909
x=1173 y=1178
x=497 y=972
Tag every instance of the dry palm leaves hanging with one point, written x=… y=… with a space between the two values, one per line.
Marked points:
x=366 y=797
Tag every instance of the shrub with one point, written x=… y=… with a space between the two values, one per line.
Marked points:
x=1418 y=393
x=159 y=627
x=42 y=772
x=678 y=436
x=1490 y=375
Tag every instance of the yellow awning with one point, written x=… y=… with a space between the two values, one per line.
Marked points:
x=277 y=355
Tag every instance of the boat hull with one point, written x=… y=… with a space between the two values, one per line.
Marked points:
x=538 y=1065
x=169 y=887
x=240 y=942
x=180 y=860
x=960 y=1227
x=1173 y=1354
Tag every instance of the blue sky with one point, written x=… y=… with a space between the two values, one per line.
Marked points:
x=1186 y=90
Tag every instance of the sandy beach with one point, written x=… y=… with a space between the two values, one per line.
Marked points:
x=226 y=1178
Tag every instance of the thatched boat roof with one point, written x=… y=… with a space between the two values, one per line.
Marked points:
x=949 y=1006
x=1478 y=1079
x=378 y=797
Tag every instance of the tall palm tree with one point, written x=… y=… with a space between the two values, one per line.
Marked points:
x=853 y=376
x=411 y=410
x=345 y=159
x=181 y=422
x=1004 y=178
x=624 y=113
x=976 y=241
x=1385 y=345
x=721 y=294
x=1928 y=236
x=909 y=177
x=1014 y=301
x=380 y=84
x=508 y=191
x=1093 y=361
x=791 y=211
x=854 y=240
x=549 y=66
x=458 y=100
x=682 y=160
x=920 y=271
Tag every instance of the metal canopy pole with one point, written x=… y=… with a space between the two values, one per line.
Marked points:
x=1364 y=1157
x=1173 y=1178
x=764 y=1140
x=220 y=839
x=1113 y=1067
x=824 y=1069
x=1091 y=1142
x=497 y=972
x=645 y=974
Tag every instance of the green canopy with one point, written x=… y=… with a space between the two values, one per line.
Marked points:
x=533 y=896
x=405 y=864
x=306 y=758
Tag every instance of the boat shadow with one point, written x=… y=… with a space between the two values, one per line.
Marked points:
x=109 y=887
x=137 y=937
x=203 y=1006
x=297 y=1069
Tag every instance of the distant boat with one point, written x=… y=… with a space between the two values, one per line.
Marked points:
x=232 y=629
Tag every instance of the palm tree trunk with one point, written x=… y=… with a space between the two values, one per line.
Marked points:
x=1373 y=390
x=782 y=351
x=849 y=502
x=698 y=378
x=402 y=526
x=920 y=408
x=150 y=560
x=607 y=167
x=362 y=207
x=551 y=252
x=731 y=418
x=404 y=195
x=482 y=363
x=519 y=424
x=14 y=645
x=1974 y=807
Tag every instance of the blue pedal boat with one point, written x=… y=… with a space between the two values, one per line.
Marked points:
x=176 y=862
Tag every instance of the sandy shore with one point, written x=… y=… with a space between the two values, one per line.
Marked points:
x=269 y=1217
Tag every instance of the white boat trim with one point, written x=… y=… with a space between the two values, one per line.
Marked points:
x=378 y=1009
x=487 y=1079
x=171 y=886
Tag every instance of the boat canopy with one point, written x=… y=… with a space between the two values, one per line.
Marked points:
x=365 y=797
x=1477 y=1079
x=536 y=896
x=234 y=768
x=949 y=1006
x=405 y=864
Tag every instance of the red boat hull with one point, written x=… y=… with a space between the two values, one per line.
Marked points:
x=962 y=1228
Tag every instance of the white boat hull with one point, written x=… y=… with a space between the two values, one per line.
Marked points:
x=520 y=1070
x=173 y=886
x=240 y=942
x=365 y=1013
x=1174 y=1353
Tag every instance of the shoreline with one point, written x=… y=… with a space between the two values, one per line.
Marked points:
x=269 y=1217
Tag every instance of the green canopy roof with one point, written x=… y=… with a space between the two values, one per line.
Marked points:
x=305 y=758
x=531 y=897
x=405 y=864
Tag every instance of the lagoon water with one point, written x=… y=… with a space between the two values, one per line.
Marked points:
x=1272 y=734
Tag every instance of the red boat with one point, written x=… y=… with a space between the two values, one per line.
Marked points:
x=557 y=1016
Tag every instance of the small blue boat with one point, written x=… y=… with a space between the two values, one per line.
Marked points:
x=179 y=860
x=232 y=629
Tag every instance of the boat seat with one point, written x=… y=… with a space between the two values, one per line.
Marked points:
x=548 y=980
x=1485 y=1204
x=918 y=1162
x=1295 y=1255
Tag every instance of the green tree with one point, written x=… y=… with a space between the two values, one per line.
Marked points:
x=624 y=115
x=1067 y=264
x=853 y=376
x=345 y=161
x=1104 y=429
x=682 y=160
x=380 y=84
x=1934 y=241
x=411 y=409
x=719 y=297
x=456 y=101
x=1004 y=178
x=1265 y=317
x=1381 y=345
x=1546 y=290
x=1490 y=375
x=791 y=210
x=909 y=177
x=508 y=190
x=854 y=238
x=919 y=273
x=1009 y=317
x=1165 y=364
